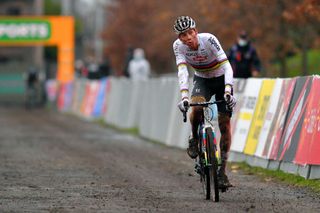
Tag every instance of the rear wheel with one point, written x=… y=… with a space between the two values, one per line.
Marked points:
x=213 y=170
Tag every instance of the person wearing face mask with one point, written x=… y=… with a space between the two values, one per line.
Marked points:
x=244 y=58
x=139 y=66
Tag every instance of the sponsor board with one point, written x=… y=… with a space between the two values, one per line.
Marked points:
x=92 y=90
x=65 y=95
x=309 y=144
x=242 y=126
x=293 y=124
x=24 y=30
x=275 y=133
x=99 y=107
x=238 y=89
x=264 y=144
x=259 y=116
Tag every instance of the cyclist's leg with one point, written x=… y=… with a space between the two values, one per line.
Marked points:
x=224 y=118
x=196 y=115
x=225 y=140
x=199 y=94
x=195 y=120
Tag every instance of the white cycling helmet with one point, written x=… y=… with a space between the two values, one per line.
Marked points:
x=183 y=23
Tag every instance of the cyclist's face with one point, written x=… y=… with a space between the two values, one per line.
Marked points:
x=190 y=38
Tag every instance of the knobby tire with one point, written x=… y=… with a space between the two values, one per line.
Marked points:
x=213 y=170
x=205 y=174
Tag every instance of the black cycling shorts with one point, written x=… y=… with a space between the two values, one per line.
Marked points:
x=207 y=87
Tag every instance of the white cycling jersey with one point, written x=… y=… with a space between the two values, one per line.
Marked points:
x=208 y=61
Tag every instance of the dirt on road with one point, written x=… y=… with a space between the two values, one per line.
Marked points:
x=53 y=162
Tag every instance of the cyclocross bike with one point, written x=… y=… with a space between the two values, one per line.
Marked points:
x=31 y=97
x=206 y=164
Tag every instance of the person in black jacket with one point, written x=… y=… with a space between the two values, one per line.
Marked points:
x=244 y=58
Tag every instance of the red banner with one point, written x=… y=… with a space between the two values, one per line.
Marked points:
x=278 y=125
x=309 y=145
x=293 y=125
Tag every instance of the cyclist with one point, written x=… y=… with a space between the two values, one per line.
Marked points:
x=213 y=75
x=31 y=77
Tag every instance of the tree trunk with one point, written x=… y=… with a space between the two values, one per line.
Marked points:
x=283 y=67
x=281 y=47
x=304 y=55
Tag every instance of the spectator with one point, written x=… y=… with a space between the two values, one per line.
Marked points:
x=139 y=67
x=129 y=57
x=81 y=69
x=244 y=58
x=78 y=67
x=105 y=68
x=93 y=70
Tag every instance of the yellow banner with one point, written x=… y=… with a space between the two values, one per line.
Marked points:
x=259 y=116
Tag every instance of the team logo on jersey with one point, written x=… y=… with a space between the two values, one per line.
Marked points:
x=191 y=54
x=200 y=58
x=214 y=43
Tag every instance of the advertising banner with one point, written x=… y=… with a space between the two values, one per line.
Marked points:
x=91 y=97
x=64 y=101
x=60 y=98
x=293 y=124
x=251 y=93
x=85 y=97
x=24 y=30
x=309 y=144
x=238 y=90
x=259 y=116
x=278 y=124
x=78 y=95
x=99 y=106
x=51 y=89
x=264 y=144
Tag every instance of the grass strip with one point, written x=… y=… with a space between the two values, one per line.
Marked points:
x=280 y=176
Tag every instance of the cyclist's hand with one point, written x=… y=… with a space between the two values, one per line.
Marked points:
x=230 y=101
x=184 y=105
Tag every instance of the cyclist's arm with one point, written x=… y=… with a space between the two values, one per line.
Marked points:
x=183 y=73
x=228 y=77
x=183 y=76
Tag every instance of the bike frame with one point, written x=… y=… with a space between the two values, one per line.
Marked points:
x=207 y=161
x=202 y=129
x=203 y=137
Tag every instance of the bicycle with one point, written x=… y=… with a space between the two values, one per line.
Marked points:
x=31 y=97
x=206 y=164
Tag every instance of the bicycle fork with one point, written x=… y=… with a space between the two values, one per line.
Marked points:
x=204 y=145
x=215 y=146
x=215 y=149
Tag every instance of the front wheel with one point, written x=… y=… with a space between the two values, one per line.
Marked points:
x=205 y=178
x=213 y=169
x=207 y=182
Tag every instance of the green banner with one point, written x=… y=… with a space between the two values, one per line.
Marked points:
x=24 y=30
x=11 y=83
